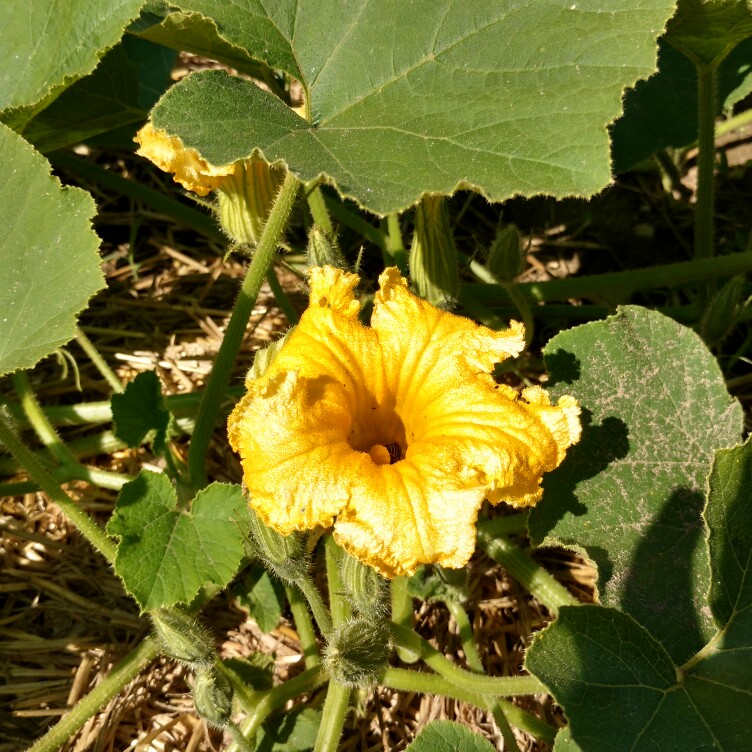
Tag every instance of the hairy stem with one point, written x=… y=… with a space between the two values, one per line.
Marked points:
x=531 y=575
x=402 y=614
x=99 y=362
x=120 y=676
x=302 y=618
x=241 y=312
x=91 y=531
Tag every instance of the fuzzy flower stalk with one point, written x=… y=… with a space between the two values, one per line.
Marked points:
x=245 y=189
x=393 y=434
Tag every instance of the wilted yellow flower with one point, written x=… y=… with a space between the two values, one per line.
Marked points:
x=393 y=433
x=188 y=167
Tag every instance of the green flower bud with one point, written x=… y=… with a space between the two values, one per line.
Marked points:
x=365 y=588
x=245 y=199
x=505 y=258
x=212 y=696
x=323 y=250
x=182 y=637
x=358 y=651
x=264 y=357
x=720 y=315
x=282 y=554
x=433 y=257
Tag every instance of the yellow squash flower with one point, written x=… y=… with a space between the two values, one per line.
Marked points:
x=188 y=167
x=393 y=433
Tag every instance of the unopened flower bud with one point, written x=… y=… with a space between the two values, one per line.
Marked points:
x=245 y=198
x=358 y=651
x=323 y=250
x=505 y=258
x=433 y=257
x=212 y=696
x=182 y=637
x=282 y=554
x=720 y=315
x=365 y=588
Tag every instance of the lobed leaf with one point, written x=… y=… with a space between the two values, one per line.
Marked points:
x=139 y=412
x=448 y=736
x=167 y=554
x=49 y=46
x=630 y=494
x=262 y=596
x=424 y=97
x=49 y=265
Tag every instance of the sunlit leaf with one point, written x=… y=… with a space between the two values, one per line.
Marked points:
x=165 y=553
x=407 y=98
x=631 y=493
x=448 y=736
x=49 y=265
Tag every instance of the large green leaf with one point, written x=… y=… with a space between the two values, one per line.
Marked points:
x=662 y=111
x=48 y=45
x=448 y=736
x=406 y=98
x=707 y=30
x=49 y=265
x=139 y=412
x=166 y=553
x=121 y=91
x=630 y=494
x=621 y=691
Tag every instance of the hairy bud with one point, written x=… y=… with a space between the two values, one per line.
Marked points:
x=505 y=258
x=212 y=696
x=365 y=588
x=323 y=250
x=720 y=315
x=284 y=555
x=182 y=637
x=433 y=257
x=358 y=651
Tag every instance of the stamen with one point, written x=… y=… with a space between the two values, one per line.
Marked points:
x=386 y=455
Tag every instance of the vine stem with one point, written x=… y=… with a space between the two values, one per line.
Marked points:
x=99 y=362
x=407 y=680
x=531 y=575
x=120 y=676
x=241 y=312
x=402 y=614
x=91 y=531
x=497 y=686
x=337 y=694
x=304 y=625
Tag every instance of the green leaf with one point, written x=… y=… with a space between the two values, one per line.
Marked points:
x=707 y=30
x=729 y=660
x=408 y=98
x=662 y=111
x=49 y=265
x=262 y=596
x=621 y=691
x=295 y=731
x=194 y=33
x=47 y=47
x=139 y=412
x=167 y=554
x=631 y=493
x=256 y=671
x=121 y=91
x=448 y=736
x=439 y=584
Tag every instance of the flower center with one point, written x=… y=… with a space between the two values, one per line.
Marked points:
x=378 y=431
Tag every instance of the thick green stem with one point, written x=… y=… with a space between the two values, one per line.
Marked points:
x=531 y=575
x=465 y=629
x=120 y=676
x=304 y=625
x=512 y=524
x=317 y=207
x=91 y=531
x=316 y=603
x=396 y=246
x=505 y=686
x=406 y=680
x=99 y=362
x=268 y=702
x=704 y=208
x=333 y=718
x=38 y=420
x=241 y=312
x=280 y=296
x=402 y=614
x=523 y=306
